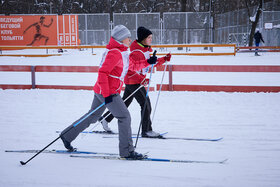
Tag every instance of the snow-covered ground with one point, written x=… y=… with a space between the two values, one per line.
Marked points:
x=248 y=122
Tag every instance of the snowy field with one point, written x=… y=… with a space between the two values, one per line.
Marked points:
x=248 y=123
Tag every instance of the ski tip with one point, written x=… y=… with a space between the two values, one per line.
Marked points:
x=8 y=151
x=224 y=161
x=214 y=140
x=163 y=133
x=22 y=163
x=221 y=138
x=218 y=139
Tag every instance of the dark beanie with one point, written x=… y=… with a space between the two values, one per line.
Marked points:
x=143 y=33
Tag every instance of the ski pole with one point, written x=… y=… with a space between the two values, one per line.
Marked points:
x=159 y=92
x=23 y=163
x=147 y=95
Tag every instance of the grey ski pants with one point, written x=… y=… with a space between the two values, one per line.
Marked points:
x=118 y=109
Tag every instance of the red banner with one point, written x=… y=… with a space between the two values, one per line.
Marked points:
x=68 y=30
x=38 y=30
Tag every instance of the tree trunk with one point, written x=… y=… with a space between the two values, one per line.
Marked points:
x=181 y=30
x=254 y=23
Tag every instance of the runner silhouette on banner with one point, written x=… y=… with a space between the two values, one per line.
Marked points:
x=38 y=25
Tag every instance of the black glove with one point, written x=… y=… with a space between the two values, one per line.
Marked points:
x=153 y=58
x=108 y=99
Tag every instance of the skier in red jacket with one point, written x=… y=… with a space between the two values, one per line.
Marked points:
x=140 y=50
x=113 y=68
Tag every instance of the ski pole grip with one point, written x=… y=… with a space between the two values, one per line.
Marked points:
x=154 y=54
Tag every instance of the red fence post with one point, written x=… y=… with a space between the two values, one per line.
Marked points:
x=33 y=82
x=170 y=77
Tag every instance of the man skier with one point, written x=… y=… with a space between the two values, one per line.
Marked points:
x=258 y=38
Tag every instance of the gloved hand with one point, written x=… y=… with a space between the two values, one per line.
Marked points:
x=145 y=82
x=108 y=99
x=167 y=57
x=153 y=59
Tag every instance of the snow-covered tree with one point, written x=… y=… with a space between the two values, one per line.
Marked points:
x=254 y=19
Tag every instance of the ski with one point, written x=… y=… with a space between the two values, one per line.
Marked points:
x=195 y=139
x=108 y=157
x=58 y=152
x=95 y=132
x=161 y=137
x=98 y=132
x=106 y=132
x=176 y=138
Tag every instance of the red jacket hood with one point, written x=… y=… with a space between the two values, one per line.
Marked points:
x=114 y=44
x=136 y=45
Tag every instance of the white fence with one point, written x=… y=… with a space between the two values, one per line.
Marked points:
x=94 y=29
x=181 y=27
x=186 y=27
x=134 y=20
x=232 y=26
x=271 y=36
x=174 y=28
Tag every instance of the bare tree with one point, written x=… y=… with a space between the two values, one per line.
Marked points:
x=253 y=20
x=181 y=30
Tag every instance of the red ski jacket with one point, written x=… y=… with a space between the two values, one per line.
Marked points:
x=113 y=68
x=139 y=52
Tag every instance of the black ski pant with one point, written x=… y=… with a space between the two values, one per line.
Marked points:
x=140 y=96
